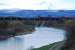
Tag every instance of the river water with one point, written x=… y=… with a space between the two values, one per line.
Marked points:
x=40 y=37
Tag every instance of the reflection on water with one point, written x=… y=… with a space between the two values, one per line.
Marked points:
x=12 y=44
x=40 y=37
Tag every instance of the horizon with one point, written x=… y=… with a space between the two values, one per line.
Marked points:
x=30 y=13
x=31 y=8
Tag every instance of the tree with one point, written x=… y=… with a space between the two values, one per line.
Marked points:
x=70 y=36
x=3 y=24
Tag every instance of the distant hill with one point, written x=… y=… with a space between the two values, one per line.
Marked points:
x=36 y=13
x=54 y=46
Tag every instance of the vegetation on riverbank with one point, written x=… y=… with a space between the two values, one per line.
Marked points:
x=18 y=25
x=54 y=46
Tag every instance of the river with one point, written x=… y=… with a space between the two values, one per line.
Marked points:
x=40 y=37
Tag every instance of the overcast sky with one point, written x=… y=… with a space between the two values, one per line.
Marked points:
x=38 y=4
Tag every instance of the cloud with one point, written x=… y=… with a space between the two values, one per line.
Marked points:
x=2 y=4
x=38 y=4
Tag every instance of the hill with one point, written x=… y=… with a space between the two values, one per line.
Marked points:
x=35 y=13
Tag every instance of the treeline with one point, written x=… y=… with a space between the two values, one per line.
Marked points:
x=49 y=20
x=45 y=21
x=36 y=18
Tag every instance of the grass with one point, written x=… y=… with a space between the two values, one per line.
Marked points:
x=47 y=47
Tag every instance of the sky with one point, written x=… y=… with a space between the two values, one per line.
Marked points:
x=38 y=4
